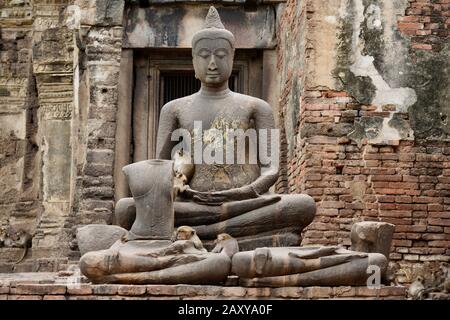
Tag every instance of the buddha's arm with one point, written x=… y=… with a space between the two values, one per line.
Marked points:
x=167 y=124
x=265 y=123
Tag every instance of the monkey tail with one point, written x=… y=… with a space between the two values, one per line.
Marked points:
x=24 y=253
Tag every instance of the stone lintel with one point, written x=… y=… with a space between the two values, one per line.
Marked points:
x=174 y=26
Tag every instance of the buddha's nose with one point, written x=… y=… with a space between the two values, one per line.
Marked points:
x=212 y=64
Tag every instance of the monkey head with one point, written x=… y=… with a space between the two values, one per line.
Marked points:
x=222 y=237
x=184 y=233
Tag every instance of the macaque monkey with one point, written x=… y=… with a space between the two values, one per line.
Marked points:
x=188 y=233
x=3 y=236
x=15 y=239
x=416 y=289
x=183 y=169
x=226 y=244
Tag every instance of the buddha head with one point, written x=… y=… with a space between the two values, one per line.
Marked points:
x=213 y=51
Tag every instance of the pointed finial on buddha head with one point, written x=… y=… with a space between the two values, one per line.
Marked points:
x=213 y=28
x=212 y=19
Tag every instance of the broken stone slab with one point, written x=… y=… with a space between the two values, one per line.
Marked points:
x=372 y=237
x=101 y=12
x=94 y=237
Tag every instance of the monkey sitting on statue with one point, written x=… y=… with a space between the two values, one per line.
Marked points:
x=10 y=238
x=226 y=244
x=183 y=169
x=188 y=233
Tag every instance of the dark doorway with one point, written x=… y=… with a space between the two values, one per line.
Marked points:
x=178 y=84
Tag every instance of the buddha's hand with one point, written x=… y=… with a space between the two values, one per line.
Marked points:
x=216 y=198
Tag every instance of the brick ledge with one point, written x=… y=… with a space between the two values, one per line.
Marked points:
x=50 y=286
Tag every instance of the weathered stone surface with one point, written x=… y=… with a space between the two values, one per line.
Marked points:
x=84 y=291
x=252 y=29
x=102 y=289
x=287 y=292
x=317 y=292
x=161 y=290
x=98 y=237
x=101 y=12
x=54 y=297
x=305 y=266
x=131 y=290
x=371 y=236
x=81 y=289
x=234 y=292
x=28 y=297
x=38 y=289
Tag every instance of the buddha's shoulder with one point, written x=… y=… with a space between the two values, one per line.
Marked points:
x=250 y=100
x=178 y=103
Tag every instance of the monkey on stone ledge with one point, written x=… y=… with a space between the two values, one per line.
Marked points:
x=15 y=239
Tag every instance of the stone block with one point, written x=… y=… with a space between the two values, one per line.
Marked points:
x=24 y=297
x=105 y=289
x=317 y=292
x=131 y=290
x=234 y=292
x=87 y=297
x=393 y=291
x=367 y=292
x=98 y=170
x=344 y=292
x=4 y=289
x=188 y=290
x=212 y=291
x=82 y=289
x=101 y=12
x=6 y=268
x=104 y=156
x=287 y=292
x=54 y=297
x=258 y=292
x=38 y=289
x=161 y=290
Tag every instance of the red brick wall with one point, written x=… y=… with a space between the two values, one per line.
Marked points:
x=291 y=65
x=426 y=21
x=406 y=183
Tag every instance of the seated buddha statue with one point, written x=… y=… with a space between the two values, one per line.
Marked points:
x=216 y=197
x=226 y=197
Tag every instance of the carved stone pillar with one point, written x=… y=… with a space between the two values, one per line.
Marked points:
x=100 y=41
x=19 y=152
x=53 y=69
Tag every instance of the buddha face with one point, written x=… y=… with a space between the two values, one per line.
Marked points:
x=213 y=61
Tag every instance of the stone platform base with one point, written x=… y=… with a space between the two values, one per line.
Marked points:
x=54 y=286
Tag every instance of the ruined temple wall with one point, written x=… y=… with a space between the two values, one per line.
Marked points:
x=18 y=123
x=371 y=139
x=36 y=121
x=58 y=84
